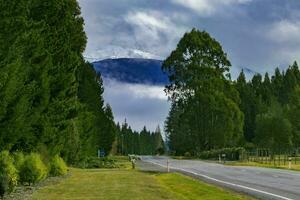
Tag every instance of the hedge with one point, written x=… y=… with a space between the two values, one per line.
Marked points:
x=230 y=153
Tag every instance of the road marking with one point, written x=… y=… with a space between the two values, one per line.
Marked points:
x=224 y=182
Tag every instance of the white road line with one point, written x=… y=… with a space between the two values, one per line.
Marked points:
x=224 y=182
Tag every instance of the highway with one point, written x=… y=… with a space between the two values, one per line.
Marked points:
x=262 y=183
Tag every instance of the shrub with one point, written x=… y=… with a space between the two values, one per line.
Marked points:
x=231 y=153
x=33 y=169
x=95 y=162
x=58 y=166
x=3 y=186
x=8 y=173
x=187 y=154
x=18 y=159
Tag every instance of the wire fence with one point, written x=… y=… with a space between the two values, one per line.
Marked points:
x=266 y=156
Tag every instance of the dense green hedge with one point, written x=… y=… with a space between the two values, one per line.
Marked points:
x=95 y=162
x=58 y=166
x=8 y=173
x=27 y=169
x=33 y=169
x=230 y=153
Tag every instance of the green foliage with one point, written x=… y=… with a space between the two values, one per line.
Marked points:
x=106 y=162
x=205 y=112
x=209 y=111
x=49 y=96
x=140 y=143
x=33 y=169
x=273 y=129
x=230 y=153
x=8 y=173
x=58 y=166
x=18 y=159
x=3 y=185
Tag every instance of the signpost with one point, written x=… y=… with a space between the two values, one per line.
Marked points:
x=101 y=153
x=224 y=157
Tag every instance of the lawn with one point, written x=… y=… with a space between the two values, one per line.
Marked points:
x=116 y=184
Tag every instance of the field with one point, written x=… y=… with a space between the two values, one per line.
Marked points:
x=269 y=165
x=128 y=184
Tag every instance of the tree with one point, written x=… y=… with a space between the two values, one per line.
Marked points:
x=158 y=141
x=294 y=115
x=199 y=86
x=273 y=129
x=51 y=100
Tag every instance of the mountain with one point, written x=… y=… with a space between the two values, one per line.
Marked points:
x=144 y=71
x=132 y=70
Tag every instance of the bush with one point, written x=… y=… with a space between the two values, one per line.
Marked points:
x=187 y=154
x=58 y=166
x=33 y=169
x=8 y=173
x=3 y=186
x=18 y=159
x=95 y=162
x=231 y=153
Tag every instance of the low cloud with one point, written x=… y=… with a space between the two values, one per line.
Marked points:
x=139 y=104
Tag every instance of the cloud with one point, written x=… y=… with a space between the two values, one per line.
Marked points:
x=285 y=35
x=285 y=31
x=154 y=30
x=208 y=7
x=140 y=104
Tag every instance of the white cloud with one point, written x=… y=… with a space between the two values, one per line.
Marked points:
x=155 y=31
x=285 y=34
x=285 y=31
x=208 y=7
x=140 y=104
x=138 y=91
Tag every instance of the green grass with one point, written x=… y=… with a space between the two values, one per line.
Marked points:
x=115 y=184
x=186 y=188
x=271 y=165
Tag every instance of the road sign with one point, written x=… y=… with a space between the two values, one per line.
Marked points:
x=101 y=153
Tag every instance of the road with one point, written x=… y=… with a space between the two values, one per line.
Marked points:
x=262 y=183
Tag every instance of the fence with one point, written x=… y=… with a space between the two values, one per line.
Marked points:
x=265 y=156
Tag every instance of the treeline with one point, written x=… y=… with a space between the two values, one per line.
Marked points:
x=210 y=111
x=271 y=107
x=51 y=100
x=140 y=143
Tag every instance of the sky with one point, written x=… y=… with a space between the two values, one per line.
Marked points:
x=256 y=34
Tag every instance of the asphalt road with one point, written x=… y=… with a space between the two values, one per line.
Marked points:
x=262 y=183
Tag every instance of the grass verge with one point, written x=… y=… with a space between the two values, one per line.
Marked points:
x=256 y=164
x=128 y=184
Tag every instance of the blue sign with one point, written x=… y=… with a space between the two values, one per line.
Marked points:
x=101 y=153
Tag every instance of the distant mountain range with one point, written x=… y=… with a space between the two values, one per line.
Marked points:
x=132 y=70
x=143 y=70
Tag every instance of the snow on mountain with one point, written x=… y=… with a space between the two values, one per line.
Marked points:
x=114 y=52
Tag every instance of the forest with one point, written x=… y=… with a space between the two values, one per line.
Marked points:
x=211 y=111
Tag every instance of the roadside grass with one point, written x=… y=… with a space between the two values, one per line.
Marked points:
x=124 y=184
x=295 y=167
x=127 y=184
x=186 y=188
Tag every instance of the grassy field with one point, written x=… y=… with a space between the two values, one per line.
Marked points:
x=127 y=184
x=271 y=165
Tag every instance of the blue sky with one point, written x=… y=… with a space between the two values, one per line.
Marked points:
x=256 y=34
